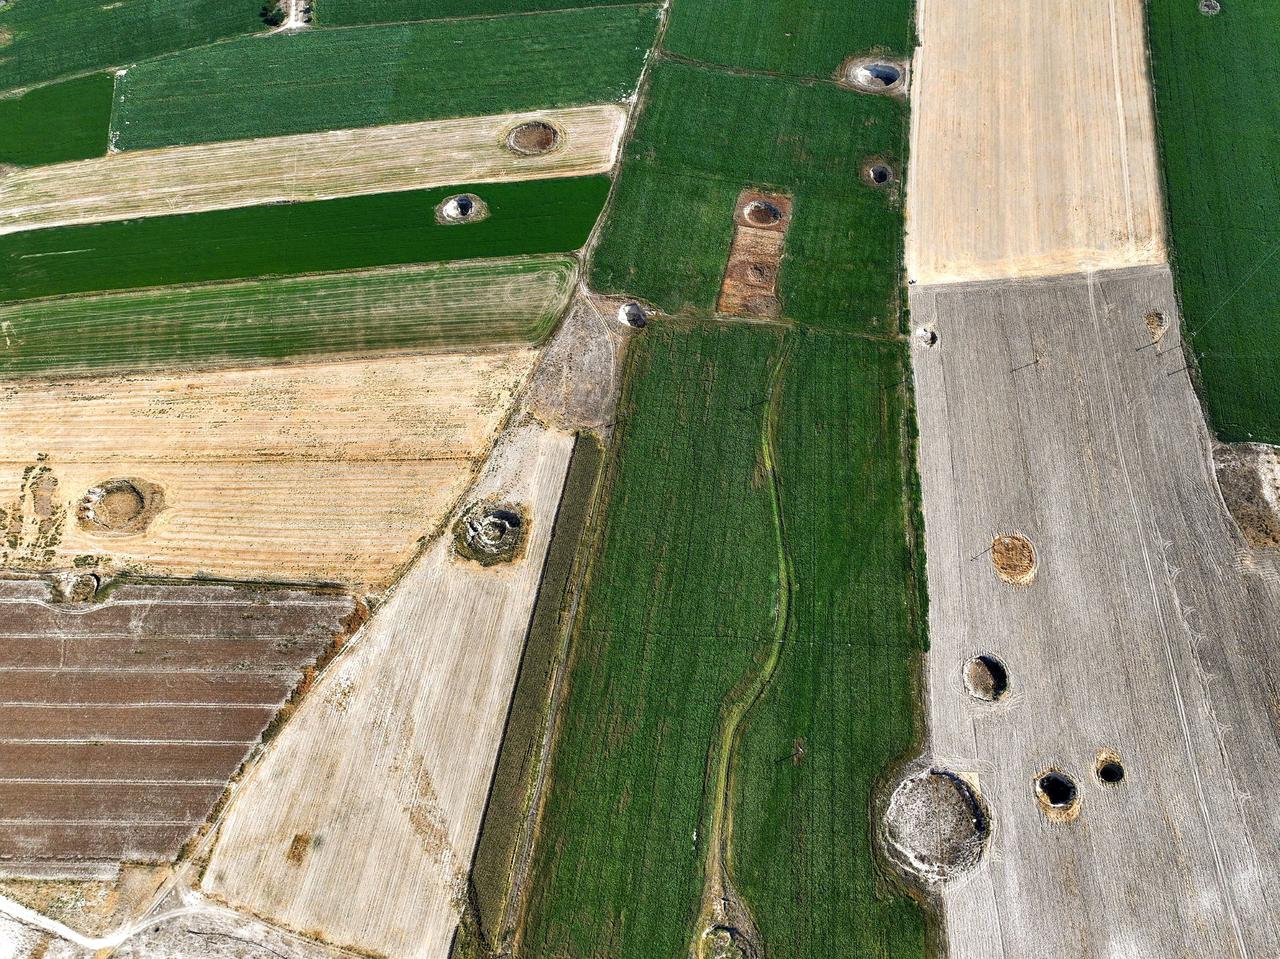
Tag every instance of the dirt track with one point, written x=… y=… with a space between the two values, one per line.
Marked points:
x=1150 y=629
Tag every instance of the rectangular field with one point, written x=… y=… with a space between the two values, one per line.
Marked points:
x=700 y=141
x=384 y=229
x=369 y=76
x=335 y=163
x=680 y=613
x=51 y=40
x=477 y=303
x=346 y=13
x=1218 y=144
x=327 y=471
x=55 y=124
x=1033 y=141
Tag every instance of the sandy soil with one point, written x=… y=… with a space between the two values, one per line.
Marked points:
x=310 y=166
x=324 y=471
x=387 y=764
x=1032 y=141
x=1151 y=630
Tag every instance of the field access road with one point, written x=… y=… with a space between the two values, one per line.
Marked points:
x=1150 y=630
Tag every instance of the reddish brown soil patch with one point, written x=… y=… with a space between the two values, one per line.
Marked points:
x=298 y=848
x=533 y=138
x=1014 y=559
x=120 y=507
x=749 y=285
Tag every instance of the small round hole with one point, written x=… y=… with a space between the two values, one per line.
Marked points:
x=1056 y=790
x=1110 y=770
x=986 y=678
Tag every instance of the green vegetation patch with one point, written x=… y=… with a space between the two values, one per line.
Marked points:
x=800 y=38
x=330 y=79
x=704 y=135
x=55 y=123
x=41 y=40
x=478 y=303
x=680 y=613
x=344 y=13
x=382 y=229
x=1217 y=85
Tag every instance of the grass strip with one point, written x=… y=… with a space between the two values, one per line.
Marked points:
x=1219 y=142
x=368 y=76
x=477 y=303
x=382 y=229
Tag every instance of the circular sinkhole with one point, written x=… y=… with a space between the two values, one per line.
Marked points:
x=1210 y=7
x=873 y=75
x=1057 y=795
x=462 y=208
x=121 y=506
x=936 y=825
x=533 y=138
x=926 y=336
x=986 y=678
x=490 y=533
x=762 y=213
x=1014 y=559
x=1109 y=769
x=632 y=315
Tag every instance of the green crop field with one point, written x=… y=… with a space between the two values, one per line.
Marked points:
x=1219 y=140
x=382 y=229
x=354 y=12
x=477 y=303
x=809 y=38
x=704 y=135
x=58 y=122
x=51 y=40
x=681 y=611
x=325 y=79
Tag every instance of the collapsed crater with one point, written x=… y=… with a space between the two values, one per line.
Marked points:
x=873 y=75
x=1058 y=795
x=122 y=506
x=1014 y=559
x=1109 y=769
x=632 y=315
x=1210 y=7
x=1156 y=325
x=986 y=678
x=462 y=208
x=533 y=138
x=876 y=173
x=936 y=826
x=761 y=213
x=490 y=533
x=726 y=942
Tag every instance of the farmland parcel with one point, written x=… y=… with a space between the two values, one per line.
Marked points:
x=667 y=233
x=398 y=73
x=548 y=216
x=680 y=613
x=63 y=121
x=1219 y=146
x=477 y=303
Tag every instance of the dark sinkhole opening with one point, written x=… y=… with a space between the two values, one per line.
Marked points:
x=1056 y=789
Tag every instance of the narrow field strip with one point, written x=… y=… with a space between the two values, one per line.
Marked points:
x=369 y=76
x=480 y=303
x=316 y=166
x=350 y=13
x=320 y=236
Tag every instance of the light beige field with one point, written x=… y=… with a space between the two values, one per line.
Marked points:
x=359 y=824
x=325 y=471
x=1032 y=141
x=408 y=156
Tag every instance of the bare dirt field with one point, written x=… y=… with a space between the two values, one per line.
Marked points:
x=1032 y=141
x=121 y=721
x=312 y=166
x=386 y=765
x=1149 y=636
x=750 y=283
x=316 y=472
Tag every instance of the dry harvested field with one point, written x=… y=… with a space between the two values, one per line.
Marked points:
x=359 y=824
x=314 y=166
x=1032 y=141
x=121 y=721
x=1150 y=630
x=325 y=471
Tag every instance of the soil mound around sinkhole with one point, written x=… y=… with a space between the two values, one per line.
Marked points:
x=533 y=138
x=936 y=826
x=120 y=507
x=491 y=533
x=462 y=208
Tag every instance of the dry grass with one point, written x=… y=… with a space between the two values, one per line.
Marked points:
x=311 y=166
x=1032 y=143
x=387 y=763
x=326 y=471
